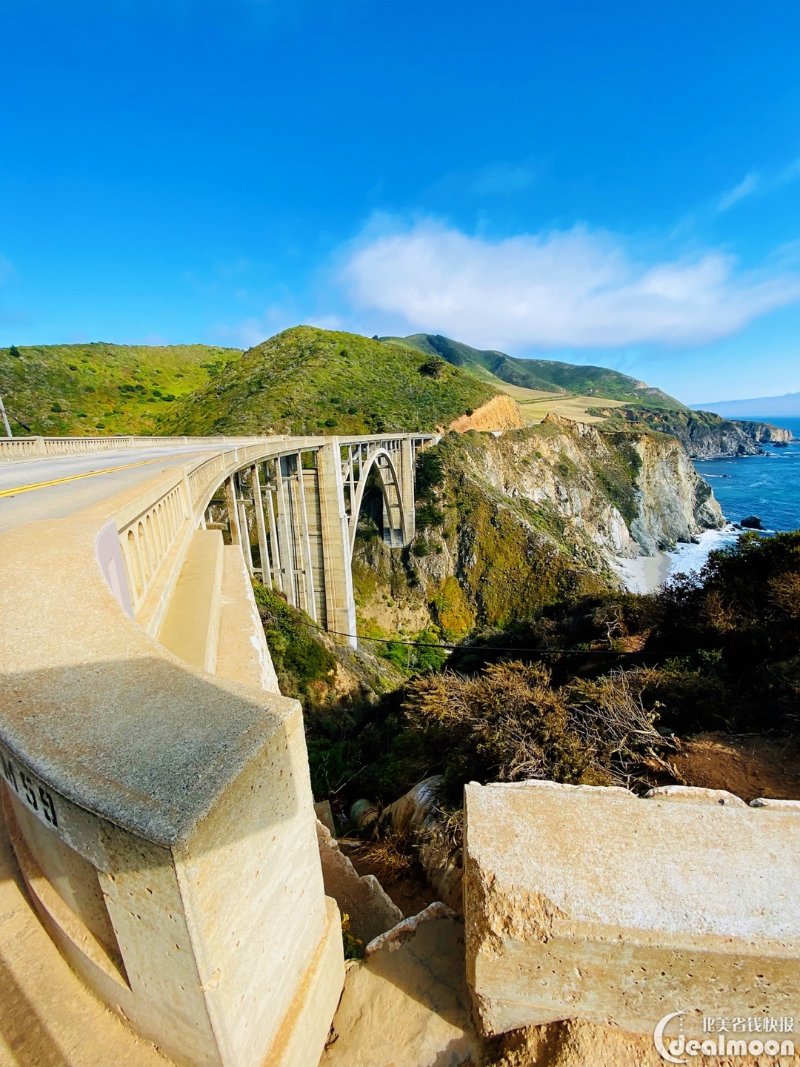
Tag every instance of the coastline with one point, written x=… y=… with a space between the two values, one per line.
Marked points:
x=646 y=574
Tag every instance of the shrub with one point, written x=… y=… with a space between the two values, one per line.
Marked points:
x=510 y=723
x=300 y=658
x=433 y=367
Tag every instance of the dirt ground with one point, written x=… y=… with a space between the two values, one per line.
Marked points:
x=748 y=765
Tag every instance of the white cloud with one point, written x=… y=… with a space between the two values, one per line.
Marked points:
x=750 y=184
x=561 y=288
x=790 y=173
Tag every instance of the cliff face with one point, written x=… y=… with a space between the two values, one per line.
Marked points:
x=499 y=413
x=703 y=434
x=510 y=524
x=764 y=432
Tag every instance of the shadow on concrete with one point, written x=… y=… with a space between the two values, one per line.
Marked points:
x=21 y=1027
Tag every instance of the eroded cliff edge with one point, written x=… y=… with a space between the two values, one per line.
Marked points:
x=509 y=524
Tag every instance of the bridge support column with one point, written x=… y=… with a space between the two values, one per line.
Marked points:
x=308 y=594
x=232 y=507
x=407 y=470
x=277 y=548
x=340 y=605
x=244 y=535
x=286 y=531
x=263 y=546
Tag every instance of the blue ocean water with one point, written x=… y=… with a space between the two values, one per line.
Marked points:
x=767 y=486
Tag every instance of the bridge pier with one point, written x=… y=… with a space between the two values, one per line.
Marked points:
x=340 y=605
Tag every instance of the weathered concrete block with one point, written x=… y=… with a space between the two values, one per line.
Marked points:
x=363 y=898
x=592 y=903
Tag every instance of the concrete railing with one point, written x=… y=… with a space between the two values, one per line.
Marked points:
x=16 y=448
x=155 y=525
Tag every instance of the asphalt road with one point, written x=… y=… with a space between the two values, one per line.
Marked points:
x=80 y=480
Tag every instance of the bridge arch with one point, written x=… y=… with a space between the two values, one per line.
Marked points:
x=394 y=507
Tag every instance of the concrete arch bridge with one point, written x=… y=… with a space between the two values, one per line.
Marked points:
x=154 y=781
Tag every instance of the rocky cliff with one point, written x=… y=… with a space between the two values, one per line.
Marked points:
x=509 y=524
x=499 y=413
x=703 y=434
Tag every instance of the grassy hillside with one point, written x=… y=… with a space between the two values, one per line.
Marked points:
x=98 y=389
x=307 y=380
x=545 y=375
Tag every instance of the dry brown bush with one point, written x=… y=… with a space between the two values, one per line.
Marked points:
x=510 y=723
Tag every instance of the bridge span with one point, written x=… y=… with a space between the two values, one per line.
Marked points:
x=155 y=782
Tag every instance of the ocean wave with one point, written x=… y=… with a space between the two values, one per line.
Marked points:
x=690 y=559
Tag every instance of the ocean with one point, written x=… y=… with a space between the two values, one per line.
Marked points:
x=767 y=486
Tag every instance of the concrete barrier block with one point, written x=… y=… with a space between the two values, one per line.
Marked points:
x=363 y=898
x=592 y=903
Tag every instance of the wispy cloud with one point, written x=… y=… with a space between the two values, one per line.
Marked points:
x=750 y=184
x=757 y=183
x=555 y=289
x=790 y=173
x=501 y=179
x=496 y=180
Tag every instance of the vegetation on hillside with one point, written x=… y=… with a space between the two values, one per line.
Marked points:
x=544 y=374
x=621 y=674
x=304 y=380
x=99 y=389
x=311 y=381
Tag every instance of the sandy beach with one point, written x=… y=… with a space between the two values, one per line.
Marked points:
x=645 y=574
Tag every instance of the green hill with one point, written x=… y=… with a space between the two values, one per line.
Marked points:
x=98 y=389
x=307 y=380
x=544 y=374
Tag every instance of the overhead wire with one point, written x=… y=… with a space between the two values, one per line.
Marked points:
x=478 y=648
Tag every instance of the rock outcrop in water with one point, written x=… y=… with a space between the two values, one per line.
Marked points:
x=510 y=524
x=703 y=434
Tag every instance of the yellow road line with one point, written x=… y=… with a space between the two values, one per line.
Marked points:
x=75 y=477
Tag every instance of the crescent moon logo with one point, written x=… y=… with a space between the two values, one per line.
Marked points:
x=658 y=1037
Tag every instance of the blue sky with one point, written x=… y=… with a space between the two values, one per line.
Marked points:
x=614 y=183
